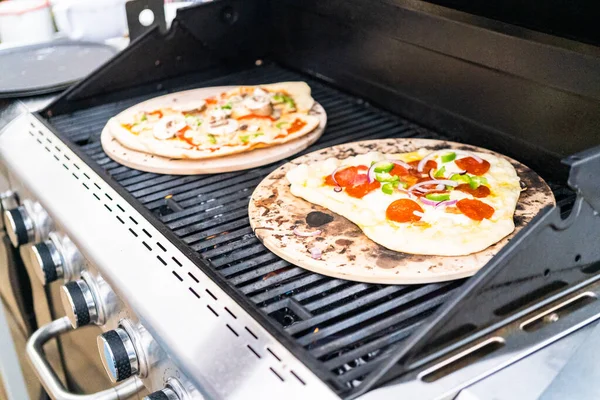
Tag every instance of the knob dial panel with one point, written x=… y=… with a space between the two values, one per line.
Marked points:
x=164 y=394
x=8 y=200
x=19 y=226
x=79 y=303
x=118 y=354
x=55 y=258
x=48 y=262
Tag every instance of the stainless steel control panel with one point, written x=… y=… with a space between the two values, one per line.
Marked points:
x=87 y=299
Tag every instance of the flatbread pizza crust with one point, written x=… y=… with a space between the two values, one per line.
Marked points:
x=236 y=162
x=177 y=149
x=347 y=251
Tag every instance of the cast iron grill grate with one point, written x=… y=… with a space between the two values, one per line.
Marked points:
x=344 y=326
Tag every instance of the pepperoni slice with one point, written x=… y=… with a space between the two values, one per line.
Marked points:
x=473 y=166
x=475 y=209
x=348 y=176
x=480 y=192
x=429 y=165
x=403 y=211
x=398 y=170
x=362 y=189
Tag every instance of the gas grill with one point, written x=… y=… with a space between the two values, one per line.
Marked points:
x=190 y=300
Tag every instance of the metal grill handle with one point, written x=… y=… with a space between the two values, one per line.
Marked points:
x=49 y=379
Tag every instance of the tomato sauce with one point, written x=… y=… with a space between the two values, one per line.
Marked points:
x=481 y=191
x=157 y=112
x=473 y=166
x=181 y=136
x=475 y=209
x=403 y=210
x=296 y=126
x=253 y=116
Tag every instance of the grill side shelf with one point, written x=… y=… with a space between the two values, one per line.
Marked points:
x=549 y=255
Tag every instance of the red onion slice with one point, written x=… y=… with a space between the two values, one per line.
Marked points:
x=315 y=253
x=437 y=204
x=446 y=203
x=335 y=171
x=446 y=182
x=419 y=214
x=435 y=153
x=428 y=202
x=337 y=189
x=306 y=234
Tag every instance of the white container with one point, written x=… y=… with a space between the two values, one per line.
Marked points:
x=94 y=20
x=25 y=21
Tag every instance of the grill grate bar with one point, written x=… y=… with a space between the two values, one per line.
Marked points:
x=381 y=326
x=224 y=237
x=364 y=316
x=380 y=344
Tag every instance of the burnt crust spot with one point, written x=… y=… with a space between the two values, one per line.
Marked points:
x=318 y=218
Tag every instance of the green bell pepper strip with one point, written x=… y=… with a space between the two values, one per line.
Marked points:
x=388 y=188
x=448 y=157
x=440 y=172
x=437 y=196
x=384 y=167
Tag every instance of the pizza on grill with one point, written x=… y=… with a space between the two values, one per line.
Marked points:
x=237 y=120
x=447 y=202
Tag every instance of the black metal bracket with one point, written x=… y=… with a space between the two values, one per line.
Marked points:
x=547 y=256
x=134 y=9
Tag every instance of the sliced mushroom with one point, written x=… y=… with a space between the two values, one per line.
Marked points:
x=259 y=103
x=190 y=106
x=226 y=128
x=168 y=127
x=219 y=114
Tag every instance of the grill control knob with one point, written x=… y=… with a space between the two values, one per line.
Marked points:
x=118 y=354
x=49 y=265
x=174 y=390
x=8 y=200
x=27 y=223
x=55 y=258
x=79 y=303
x=165 y=394
x=19 y=226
